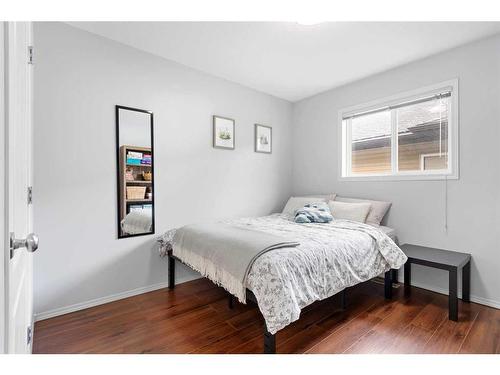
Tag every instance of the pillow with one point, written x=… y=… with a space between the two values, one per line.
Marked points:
x=295 y=203
x=326 y=197
x=376 y=214
x=349 y=211
x=314 y=213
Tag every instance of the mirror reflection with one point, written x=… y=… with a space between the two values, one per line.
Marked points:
x=134 y=129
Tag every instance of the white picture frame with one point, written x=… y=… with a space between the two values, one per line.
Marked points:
x=223 y=133
x=263 y=139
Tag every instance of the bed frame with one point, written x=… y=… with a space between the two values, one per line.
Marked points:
x=390 y=277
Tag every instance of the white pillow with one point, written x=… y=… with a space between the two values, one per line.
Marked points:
x=294 y=203
x=376 y=214
x=349 y=211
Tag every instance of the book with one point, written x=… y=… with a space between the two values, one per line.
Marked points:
x=134 y=161
x=134 y=155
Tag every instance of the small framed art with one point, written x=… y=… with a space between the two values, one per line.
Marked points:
x=223 y=132
x=263 y=139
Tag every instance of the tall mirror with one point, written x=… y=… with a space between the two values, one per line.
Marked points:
x=135 y=158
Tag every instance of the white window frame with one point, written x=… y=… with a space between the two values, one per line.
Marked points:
x=344 y=136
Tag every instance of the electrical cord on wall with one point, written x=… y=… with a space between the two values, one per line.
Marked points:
x=441 y=155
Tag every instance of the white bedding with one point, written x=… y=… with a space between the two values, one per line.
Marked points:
x=330 y=258
x=137 y=222
x=391 y=232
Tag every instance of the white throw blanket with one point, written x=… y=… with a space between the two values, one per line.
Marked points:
x=330 y=258
x=224 y=253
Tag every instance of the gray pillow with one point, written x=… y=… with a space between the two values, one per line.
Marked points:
x=295 y=203
x=378 y=210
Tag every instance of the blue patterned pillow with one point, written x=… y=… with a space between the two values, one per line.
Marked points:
x=314 y=213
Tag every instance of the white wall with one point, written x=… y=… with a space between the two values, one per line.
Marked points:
x=418 y=206
x=79 y=77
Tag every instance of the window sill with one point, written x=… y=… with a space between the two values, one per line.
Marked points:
x=427 y=177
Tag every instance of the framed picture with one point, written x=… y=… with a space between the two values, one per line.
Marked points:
x=223 y=132
x=263 y=139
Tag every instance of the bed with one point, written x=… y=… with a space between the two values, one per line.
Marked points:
x=329 y=258
x=137 y=221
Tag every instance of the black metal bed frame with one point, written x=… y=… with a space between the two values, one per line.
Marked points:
x=390 y=277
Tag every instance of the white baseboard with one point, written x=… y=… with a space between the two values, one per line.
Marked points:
x=102 y=300
x=476 y=299
x=150 y=288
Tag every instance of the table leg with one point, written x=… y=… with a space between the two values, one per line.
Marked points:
x=452 y=298
x=466 y=282
x=407 y=277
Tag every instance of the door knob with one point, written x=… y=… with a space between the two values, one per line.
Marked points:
x=30 y=243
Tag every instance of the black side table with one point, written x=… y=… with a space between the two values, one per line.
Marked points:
x=450 y=261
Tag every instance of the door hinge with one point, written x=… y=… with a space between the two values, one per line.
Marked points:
x=29 y=335
x=30 y=55
x=30 y=194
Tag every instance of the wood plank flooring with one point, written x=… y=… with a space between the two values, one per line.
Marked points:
x=195 y=318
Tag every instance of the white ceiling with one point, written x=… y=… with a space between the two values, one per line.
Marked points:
x=289 y=60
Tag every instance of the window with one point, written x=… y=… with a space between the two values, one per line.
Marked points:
x=408 y=136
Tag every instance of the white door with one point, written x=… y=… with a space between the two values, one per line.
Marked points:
x=18 y=145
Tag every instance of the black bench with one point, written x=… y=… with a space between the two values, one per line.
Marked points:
x=450 y=261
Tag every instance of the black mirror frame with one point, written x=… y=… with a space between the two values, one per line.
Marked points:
x=117 y=123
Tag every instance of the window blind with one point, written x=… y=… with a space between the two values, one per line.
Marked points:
x=441 y=95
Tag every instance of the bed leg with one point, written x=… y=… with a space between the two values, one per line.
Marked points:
x=230 y=301
x=395 y=276
x=388 y=285
x=343 y=299
x=269 y=342
x=171 y=271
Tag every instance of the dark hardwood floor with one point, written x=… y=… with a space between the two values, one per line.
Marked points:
x=195 y=318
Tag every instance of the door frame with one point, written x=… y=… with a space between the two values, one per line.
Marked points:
x=3 y=221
